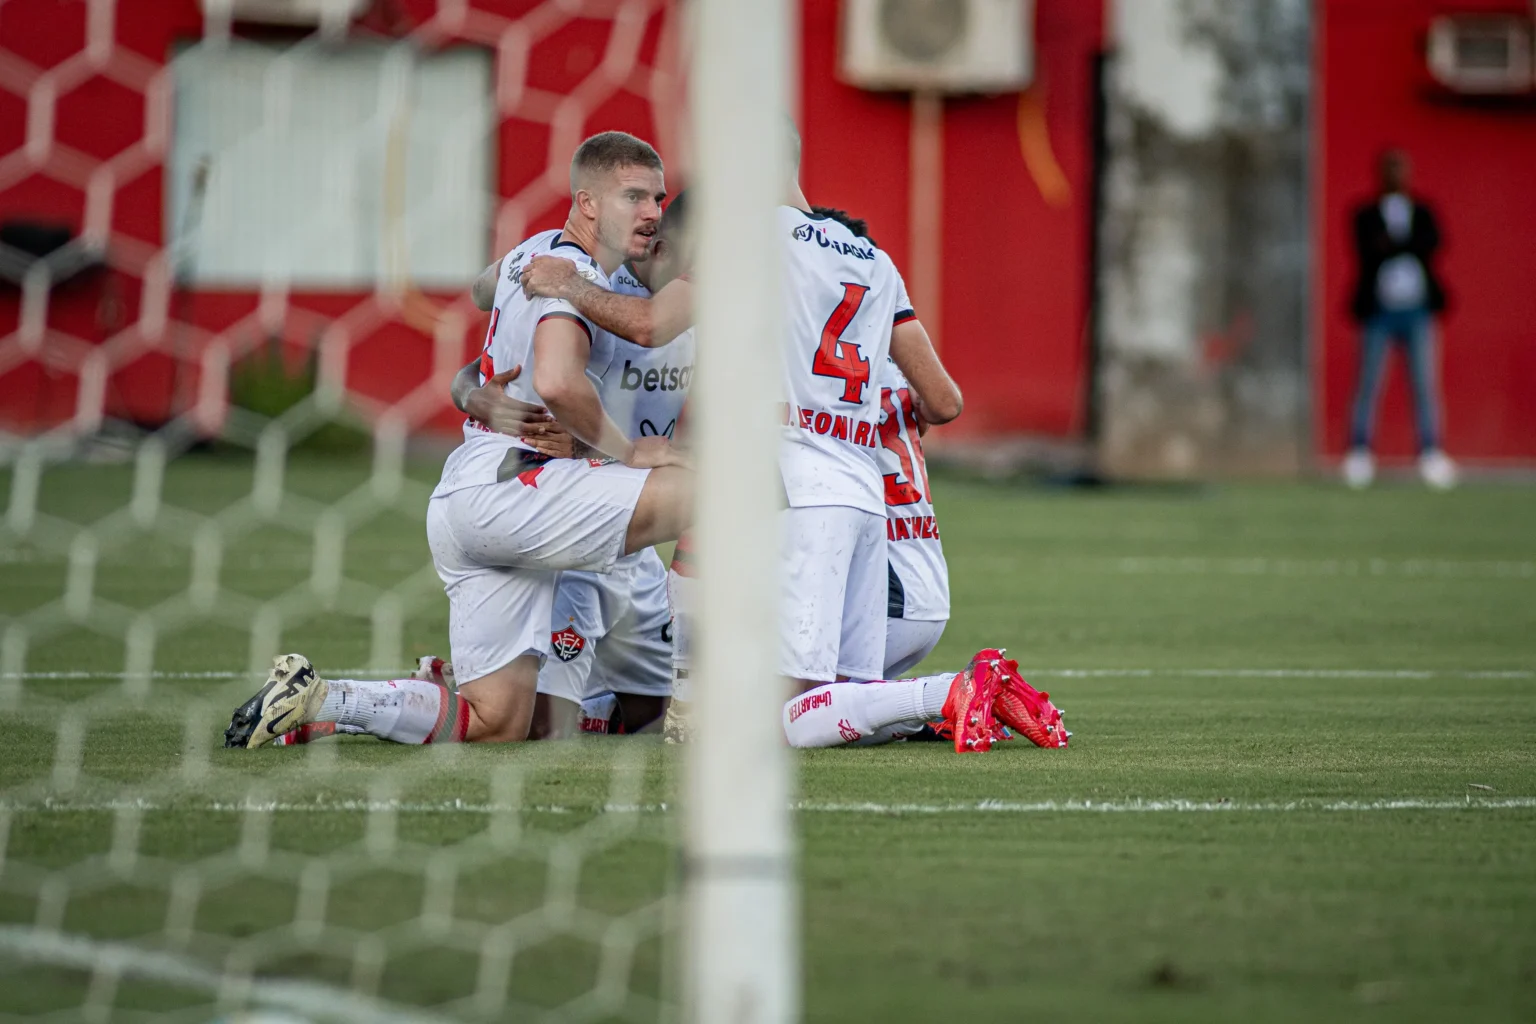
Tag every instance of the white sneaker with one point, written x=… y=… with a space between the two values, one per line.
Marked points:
x=1359 y=468
x=1437 y=469
x=292 y=696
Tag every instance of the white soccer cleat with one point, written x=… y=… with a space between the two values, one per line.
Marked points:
x=292 y=697
x=1437 y=470
x=1359 y=468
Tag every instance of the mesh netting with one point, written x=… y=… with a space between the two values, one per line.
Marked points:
x=233 y=272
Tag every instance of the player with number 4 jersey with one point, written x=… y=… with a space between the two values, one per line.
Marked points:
x=843 y=298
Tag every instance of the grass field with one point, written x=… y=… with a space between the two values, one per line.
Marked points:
x=1302 y=783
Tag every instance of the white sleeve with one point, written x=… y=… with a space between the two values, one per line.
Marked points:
x=559 y=309
x=904 y=311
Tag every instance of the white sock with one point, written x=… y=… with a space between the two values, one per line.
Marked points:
x=398 y=710
x=682 y=686
x=890 y=733
x=835 y=714
x=680 y=596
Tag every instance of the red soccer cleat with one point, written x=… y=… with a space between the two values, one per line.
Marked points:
x=1025 y=709
x=968 y=710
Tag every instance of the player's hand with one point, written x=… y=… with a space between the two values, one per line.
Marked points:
x=491 y=406
x=655 y=452
x=551 y=277
x=552 y=439
x=924 y=421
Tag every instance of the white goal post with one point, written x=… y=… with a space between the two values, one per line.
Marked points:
x=741 y=952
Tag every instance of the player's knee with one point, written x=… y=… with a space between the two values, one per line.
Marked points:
x=501 y=703
x=499 y=722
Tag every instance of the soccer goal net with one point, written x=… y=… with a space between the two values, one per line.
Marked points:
x=236 y=244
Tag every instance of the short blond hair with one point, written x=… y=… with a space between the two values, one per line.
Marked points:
x=609 y=151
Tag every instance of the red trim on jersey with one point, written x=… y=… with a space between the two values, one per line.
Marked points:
x=902 y=316
x=561 y=314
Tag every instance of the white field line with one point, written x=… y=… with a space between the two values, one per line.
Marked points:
x=1406 y=567
x=306 y=998
x=1165 y=806
x=1050 y=673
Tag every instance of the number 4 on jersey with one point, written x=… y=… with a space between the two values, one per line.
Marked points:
x=838 y=358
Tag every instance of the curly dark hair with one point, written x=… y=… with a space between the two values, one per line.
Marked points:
x=855 y=224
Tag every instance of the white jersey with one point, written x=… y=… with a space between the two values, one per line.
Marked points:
x=843 y=296
x=644 y=389
x=509 y=343
x=919 y=576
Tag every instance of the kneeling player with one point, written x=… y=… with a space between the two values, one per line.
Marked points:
x=505 y=519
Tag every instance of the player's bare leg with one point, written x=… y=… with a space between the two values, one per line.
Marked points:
x=641 y=712
x=554 y=718
x=663 y=511
x=298 y=705
x=501 y=703
x=610 y=713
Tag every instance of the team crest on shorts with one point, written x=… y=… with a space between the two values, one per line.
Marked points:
x=567 y=643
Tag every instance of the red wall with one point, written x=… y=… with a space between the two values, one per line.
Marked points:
x=1477 y=165
x=1015 y=269
x=1016 y=273
x=389 y=353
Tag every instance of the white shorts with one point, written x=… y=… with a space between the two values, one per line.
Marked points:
x=908 y=642
x=611 y=633
x=497 y=548
x=833 y=594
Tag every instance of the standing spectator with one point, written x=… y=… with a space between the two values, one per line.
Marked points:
x=1396 y=300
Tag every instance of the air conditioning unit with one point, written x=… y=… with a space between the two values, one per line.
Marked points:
x=285 y=12
x=938 y=45
x=1482 y=55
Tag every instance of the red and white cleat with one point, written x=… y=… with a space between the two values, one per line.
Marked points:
x=968 y=710
x=1025 y=709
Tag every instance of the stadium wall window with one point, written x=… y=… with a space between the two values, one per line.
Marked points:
x=329 y=167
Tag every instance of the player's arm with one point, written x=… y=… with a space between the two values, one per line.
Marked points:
x=649 y=323
x=937 y=395
x=491 y=406
x=560 y=350
x=483 y=291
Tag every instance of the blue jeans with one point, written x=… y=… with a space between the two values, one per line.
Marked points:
x=1414 y=329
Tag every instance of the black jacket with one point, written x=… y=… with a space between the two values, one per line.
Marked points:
x=1374 y=246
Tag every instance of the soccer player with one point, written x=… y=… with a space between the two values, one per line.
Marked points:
x=918 y=600
x=611 y=632
x=848 y=310
x=505 y=518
